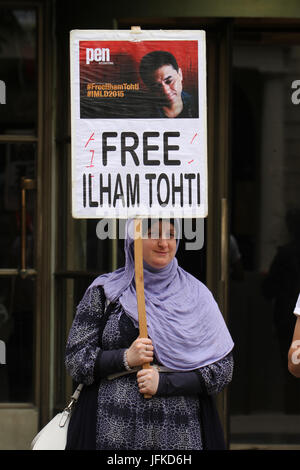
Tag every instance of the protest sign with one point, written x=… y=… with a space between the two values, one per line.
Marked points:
x=138 y=107
x=138 y=111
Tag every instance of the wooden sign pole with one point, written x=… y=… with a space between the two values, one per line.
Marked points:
x=139 y=283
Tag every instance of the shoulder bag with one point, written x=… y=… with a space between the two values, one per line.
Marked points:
x=54 y=435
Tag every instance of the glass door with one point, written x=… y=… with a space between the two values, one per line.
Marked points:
x=20 y=245
x=17 y=270
x=265 y=268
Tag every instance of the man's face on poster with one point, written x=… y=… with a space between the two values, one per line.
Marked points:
x=167 y=84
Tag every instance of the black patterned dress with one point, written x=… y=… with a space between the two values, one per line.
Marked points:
x=125 y=419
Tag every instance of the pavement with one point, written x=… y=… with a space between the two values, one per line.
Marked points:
x=265 y=431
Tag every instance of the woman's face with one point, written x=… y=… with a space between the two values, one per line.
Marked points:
x=159 y=246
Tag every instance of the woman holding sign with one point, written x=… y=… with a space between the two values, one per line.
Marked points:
x=189 y=348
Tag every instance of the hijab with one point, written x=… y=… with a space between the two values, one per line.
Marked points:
x=184 y=322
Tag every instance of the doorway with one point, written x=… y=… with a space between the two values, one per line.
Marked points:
x=23 y=264
x=265 y=218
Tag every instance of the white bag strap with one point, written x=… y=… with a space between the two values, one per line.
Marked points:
x=76 y=394
x=74 y=398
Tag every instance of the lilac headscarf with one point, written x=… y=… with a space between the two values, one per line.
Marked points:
x=184 y=322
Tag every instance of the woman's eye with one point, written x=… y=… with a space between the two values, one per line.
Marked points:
x=153 y=233
x=170 y=235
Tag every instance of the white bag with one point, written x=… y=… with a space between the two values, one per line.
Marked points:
x=54 y=435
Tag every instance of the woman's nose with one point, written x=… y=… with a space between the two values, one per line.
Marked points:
x=163 y=242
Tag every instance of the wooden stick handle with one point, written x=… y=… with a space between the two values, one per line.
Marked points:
x=139 y=283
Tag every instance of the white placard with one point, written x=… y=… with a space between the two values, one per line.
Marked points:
x=139 y=128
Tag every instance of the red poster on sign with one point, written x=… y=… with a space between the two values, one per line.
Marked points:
x=147 y=79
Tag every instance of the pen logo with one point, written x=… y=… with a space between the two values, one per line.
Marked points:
x=97 y=55
x=2 y=92
x=2 y=353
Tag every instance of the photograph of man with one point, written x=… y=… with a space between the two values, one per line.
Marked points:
x=163 y=79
